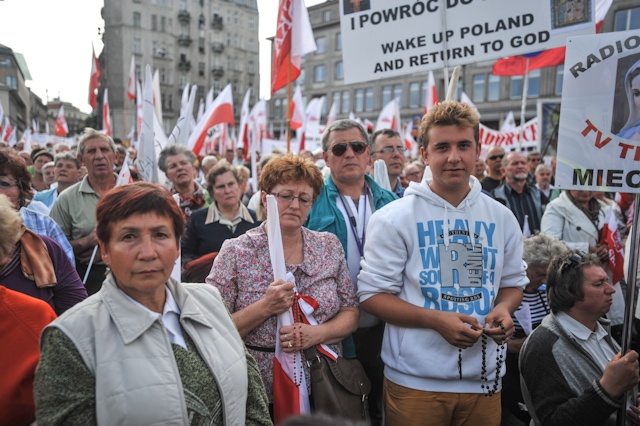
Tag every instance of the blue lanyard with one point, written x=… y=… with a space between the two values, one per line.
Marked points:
x=353 y=222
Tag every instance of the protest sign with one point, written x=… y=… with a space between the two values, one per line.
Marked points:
x=598 y=137
x=387 y=38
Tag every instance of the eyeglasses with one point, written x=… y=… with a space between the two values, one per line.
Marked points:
x=287 y=198
x=496 y=157
x=391 y=149
x=341 y=147
x=7 y=182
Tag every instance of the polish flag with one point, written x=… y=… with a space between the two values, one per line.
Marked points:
x=431 y=93
x=368 y=124
x=331 y=117
x=312 y=120
x=93 y=80
x=293 y=39
x=61 y=123
x=389 y=117
x=7 y=129
x=220 y=111
x=139 y=103
x=106 y=114
x=243 y=134
x=124 y=177
x=409 y=141
x=131 y=87
x=517 y=65
x=296 y=110
x=611 y=237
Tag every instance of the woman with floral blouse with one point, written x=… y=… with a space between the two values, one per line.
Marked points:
x=242 y=272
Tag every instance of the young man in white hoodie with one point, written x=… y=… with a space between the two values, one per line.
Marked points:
x=443 y=267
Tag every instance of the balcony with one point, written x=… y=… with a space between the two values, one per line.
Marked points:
x=217 y=72
x=217 y=23
x=184 y=40
x=217 y=47
x=184 y=66
x=184 y=16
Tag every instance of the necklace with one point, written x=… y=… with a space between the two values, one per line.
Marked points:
x=293 y=250
x=490 y=391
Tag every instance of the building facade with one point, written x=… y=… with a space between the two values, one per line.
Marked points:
x=494 y=96
x=210 y=43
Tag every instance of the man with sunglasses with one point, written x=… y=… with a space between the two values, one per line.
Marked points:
x=494 y=169
x=387 y=145
x=571 y=368
x=344 y=206
x=443 y=267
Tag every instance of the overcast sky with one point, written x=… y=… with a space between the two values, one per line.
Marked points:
x=55 y=38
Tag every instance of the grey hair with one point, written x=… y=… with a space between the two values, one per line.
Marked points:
x=541 y=249
x=172 y=150
x=90 y=133
x=542 y=167
x=68 y=156
x=340 y=126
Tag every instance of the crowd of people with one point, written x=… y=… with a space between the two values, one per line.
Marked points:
x=471 y=290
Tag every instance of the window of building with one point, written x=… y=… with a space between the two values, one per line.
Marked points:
x=346 y=105
x=137 y=45
x=516 y=87
x=339 y=74
x=154 y=23
x=277 y=107
x=479 y=85
x=201 y=44
x=184 y=30
x=251 y=67
x=336 y=101
x=339 y=41
x=414 y=95
x=397 y=93
x=387 y=92
x=302 y=78
x=139 y=71
x=201 y=69
x=137 y=19
x=359 y=101
x=559 y=79
x=251 y=44
x=5 y=63
x=251 y=22
x=534 y=84
x=368 y=99
x=326 y=15
x=163 y=76
x=170 y=25
x=627 y=19
x=154 y=47
x=201 y=21
x=494 y=88
x=12 y=82
x=228 y=39
x=163 y=24
x=321 y=45
x=319 y=73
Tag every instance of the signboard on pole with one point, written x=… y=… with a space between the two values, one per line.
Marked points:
x=387 y=38
x=599 y=134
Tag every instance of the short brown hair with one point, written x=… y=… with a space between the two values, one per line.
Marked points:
x=12 y=165
x=449 y=113
x=135 y=198
x=220 y=169
x=565 y=279
x=291 y=168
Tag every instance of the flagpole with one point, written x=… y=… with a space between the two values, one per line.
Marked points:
x=629 y=306
x=445 y=70
x=525 y=89
x=289 y=104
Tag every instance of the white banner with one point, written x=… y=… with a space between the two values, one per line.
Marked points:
x=598 y=139
x=387 y=38
x=510 y=140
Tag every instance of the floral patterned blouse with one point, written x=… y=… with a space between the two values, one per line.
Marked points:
x=242 y=272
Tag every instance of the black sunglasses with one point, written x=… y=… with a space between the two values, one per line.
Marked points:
x=496 y=157
x=574 y=260
x=341 y=147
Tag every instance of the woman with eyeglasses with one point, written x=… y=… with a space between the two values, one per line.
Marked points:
x=225 y=218
x=243 y=273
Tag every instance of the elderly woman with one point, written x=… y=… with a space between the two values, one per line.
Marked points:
x=244 y=275
x=146 y=349
x=538 y=253
x=15 y=183
x=225 y=218
x=178 y=163
x=36 y=265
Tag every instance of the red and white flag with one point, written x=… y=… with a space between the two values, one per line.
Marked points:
x=220 y=111
x=124 y=177
x=93 y=79
x=293 y=39
x=389 y=117
x=131 y=86
x=139 y=103
x=243 y=134
x=7 y=129
x=106 y=114
x=331 y=117
x=296 y=110
x=409 y=141
x=61 y=123
x=431 y=93
x=611 y=237
x=368 y=124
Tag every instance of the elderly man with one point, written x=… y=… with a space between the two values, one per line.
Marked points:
x=66 y=168
x=494 y=169
x=524 y=200
x=413 y=172
x=571 y=368
x=178 y=163
x=344 y=207
x=543 y=182
x=75 y=208
x=533 y=159
x=386 y=145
